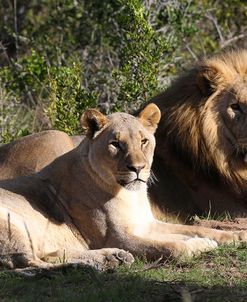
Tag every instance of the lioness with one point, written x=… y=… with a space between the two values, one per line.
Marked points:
x=91 y=204
x=31 y=153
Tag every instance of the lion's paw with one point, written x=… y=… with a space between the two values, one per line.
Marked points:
x=196 y=245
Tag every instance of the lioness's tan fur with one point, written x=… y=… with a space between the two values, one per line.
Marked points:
x=200 y=158
x=92 y=202
x=31 y=153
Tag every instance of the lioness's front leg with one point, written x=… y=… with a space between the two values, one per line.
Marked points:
x=173 y=240
x=101 y=259
x=172 y=247
x=19 y=249
x=163 y=229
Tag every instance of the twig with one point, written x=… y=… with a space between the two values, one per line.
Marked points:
x=211 y=18
x=153 y=265
x=225 y=43
x=9 y=228
x=191 y=52
x=3 y=49
x=16 y=29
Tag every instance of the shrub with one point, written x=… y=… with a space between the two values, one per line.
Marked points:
x=61 y=57
x=68 y=98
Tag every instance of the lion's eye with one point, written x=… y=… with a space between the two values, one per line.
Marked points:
x=235 y=107
x=144 y=142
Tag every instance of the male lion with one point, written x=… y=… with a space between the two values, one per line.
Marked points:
x=92 y=202
x=201 y=156
x=31 y=153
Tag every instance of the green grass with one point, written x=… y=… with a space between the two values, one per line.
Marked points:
x=220 y=275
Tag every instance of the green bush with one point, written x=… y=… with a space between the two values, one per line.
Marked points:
x=68 y=98
x=60 y=57
x=14 y=117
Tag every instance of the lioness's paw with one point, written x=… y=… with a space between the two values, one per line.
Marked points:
x=195 y=246
x=116 y=257
x=125 y=257
x=240 y=236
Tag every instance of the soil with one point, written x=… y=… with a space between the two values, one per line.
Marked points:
x=236 y=224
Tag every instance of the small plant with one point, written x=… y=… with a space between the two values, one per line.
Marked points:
x=14 y=117
x=68 y=98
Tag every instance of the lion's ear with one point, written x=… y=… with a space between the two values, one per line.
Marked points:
x=150 y=117
x=92 y=121
x=208 y=79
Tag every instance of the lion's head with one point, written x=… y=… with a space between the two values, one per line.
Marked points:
x=204 y=118
x=120 y=146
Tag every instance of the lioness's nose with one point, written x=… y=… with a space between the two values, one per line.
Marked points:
x=136 y=169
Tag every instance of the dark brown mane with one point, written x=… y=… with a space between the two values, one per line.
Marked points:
x=183 y=111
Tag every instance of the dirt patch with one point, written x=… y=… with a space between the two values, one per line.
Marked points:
x=236 y=224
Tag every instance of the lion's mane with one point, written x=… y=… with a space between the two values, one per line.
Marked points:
x=192 y=137
x=191 y=129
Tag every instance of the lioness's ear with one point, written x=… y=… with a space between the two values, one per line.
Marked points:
x=92 y=121
x=150 y=117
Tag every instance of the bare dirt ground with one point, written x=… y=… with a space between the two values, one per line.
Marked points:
x=236 y=224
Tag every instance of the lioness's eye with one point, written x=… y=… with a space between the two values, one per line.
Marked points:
x=116 y=144
x=144 y=142
x=235 y=107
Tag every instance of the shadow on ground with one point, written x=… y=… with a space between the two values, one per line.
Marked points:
x=86 y=284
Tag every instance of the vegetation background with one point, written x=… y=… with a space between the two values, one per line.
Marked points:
x=59 y=57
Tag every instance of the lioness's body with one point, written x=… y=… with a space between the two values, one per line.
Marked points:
x=32 y=153
x=200 y=158
x=93 y=200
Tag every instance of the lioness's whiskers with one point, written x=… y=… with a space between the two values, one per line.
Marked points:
x=152 y=178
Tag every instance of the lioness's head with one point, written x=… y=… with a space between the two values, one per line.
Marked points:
x=121 y=146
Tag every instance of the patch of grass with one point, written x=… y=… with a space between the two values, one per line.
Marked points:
x=220 y=275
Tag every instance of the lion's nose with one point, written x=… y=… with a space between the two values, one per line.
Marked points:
x=136 y=169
